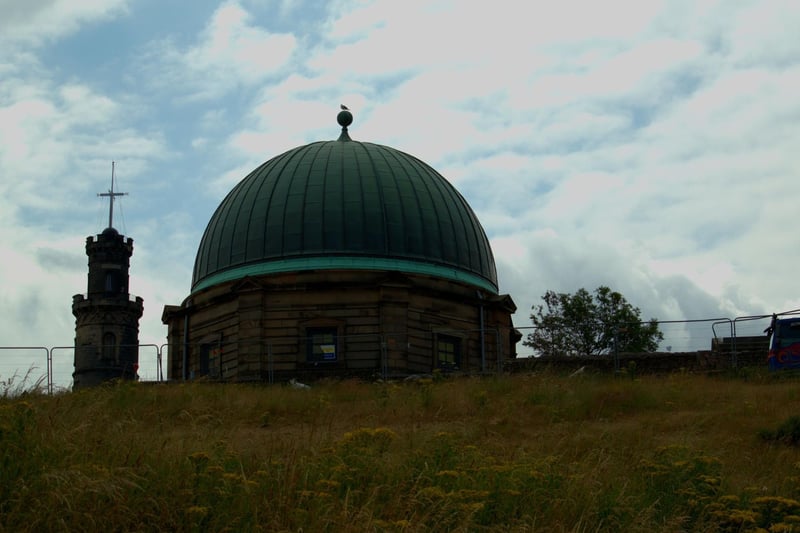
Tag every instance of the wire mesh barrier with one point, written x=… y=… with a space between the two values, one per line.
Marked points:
x=677 y=336
x=274 y=359
x=24 y=368
x=323 y=352
x=704 y=343
x=28 y=368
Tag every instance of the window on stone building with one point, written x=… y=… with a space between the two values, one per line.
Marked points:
x=448 y=352
x=321 y=345
x=109 y=346
x=112 y=282
x=204 y=362
x=209 y=360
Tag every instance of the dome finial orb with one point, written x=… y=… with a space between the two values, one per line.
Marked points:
x=344 y=118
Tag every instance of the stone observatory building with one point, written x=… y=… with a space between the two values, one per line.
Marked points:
x=341 y=258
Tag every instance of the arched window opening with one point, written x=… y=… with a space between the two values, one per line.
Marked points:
x=111 y=282
x=109 y=346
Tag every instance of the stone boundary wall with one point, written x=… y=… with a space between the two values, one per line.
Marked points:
x=642 y=363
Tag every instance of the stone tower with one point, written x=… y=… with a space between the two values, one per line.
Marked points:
x=106 y=317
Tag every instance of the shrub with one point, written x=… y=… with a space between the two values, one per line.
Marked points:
x=788 y=432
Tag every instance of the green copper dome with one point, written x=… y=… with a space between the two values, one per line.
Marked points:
x=344 y=205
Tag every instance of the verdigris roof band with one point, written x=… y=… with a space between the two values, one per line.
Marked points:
x=301 y=264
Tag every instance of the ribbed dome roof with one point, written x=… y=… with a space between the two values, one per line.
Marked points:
x=344 y=205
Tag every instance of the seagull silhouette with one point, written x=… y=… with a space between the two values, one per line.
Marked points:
x=344 y=107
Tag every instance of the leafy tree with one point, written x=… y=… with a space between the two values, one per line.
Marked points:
x=590 y=324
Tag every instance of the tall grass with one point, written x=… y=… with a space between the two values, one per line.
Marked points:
x=511 y=453
x=17 y=384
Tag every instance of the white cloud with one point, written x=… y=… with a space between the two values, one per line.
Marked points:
x=57 y=141
x=232 y=51
x=765 y=33
x=34 y=22
x=49 y=141
x=627 y=127
x=648 y=146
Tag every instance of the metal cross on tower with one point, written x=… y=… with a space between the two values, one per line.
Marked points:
x=111 y=194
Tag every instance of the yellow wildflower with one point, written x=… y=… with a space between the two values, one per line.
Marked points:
x=431 y=493
x=196 y=512
x=328 y=485
x=231 y=478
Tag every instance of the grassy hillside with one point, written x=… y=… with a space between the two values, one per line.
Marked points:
x=512 y=453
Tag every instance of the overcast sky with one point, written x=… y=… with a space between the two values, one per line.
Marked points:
x=648 y=146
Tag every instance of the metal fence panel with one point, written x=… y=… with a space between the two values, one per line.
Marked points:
x=379 y=355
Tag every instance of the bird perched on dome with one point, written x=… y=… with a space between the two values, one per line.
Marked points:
x=344 y=107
